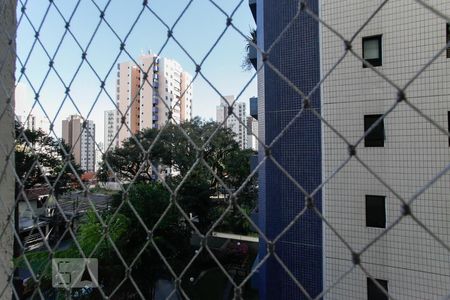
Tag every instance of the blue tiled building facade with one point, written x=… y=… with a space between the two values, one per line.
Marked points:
x=297 y=56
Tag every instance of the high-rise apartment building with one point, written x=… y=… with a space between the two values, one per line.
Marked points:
x=404 y=150
x=150 y=93
x=235 y=121
x=34 y=122
x=110 y=130
x=79 y=134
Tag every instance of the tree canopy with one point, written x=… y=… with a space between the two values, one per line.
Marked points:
x=173 y=150
x=170 y=149
x=40 y=159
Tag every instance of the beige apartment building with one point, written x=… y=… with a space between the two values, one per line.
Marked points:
x=82 y=142
x=148 y=92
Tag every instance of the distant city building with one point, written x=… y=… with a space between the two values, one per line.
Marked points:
x=99 y=155
x=222 y=109
x=83 y=146
x=148 y=92
x=235 y=121
x=34 y=122
x=31 y=119
x=110 y=130
x=252 y=133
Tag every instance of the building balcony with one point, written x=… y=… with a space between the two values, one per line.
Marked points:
x=155 y=100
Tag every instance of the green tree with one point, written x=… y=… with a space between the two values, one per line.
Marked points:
x=94 y=240
x=39 y=157
x=174 y=151
x=141 y=209
x=129 y=161
x=145 y=204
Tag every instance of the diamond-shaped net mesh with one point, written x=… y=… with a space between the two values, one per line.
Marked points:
x=335 y=187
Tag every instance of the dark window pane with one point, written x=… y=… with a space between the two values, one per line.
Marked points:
x=372 y=50
x=448 y=39
x=374 y=292
x=375 y=211
x=376 y=137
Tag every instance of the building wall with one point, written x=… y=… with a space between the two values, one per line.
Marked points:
x=88 y=147
x=168 y=68
x=160 y=92
x=221 y=114
x=134 y=86
x=7 y=104
x=149 y=98
x=235 y=121
x=109 y=134
x=186 y=96
x=82 y=142
x=262 y=274
x=75 y=142
x=413 y=263
x=128 y=99
x=71 y=130
x=65 y=132
x=34 y=122
x=296 y=55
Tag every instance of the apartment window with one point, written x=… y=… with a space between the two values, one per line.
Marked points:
x=371 y=50
x=374 y=292
x=376 y=211
x=376 y=137
x=448 y=39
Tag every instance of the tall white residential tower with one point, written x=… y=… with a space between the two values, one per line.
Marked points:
x=147 y=93
x=235 y=121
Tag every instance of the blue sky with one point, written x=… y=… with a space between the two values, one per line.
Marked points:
x=196 y=31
